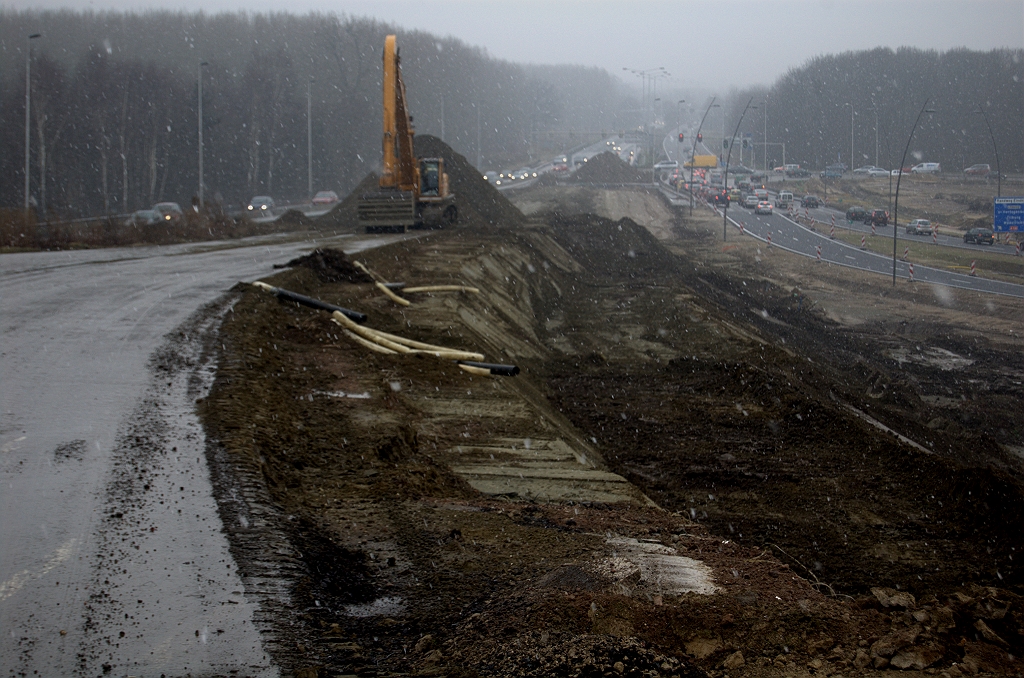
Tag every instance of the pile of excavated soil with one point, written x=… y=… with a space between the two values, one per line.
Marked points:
x=330 y=265
x=344 y=217
x=478 y=201
x=713 y=390
x=608 y=168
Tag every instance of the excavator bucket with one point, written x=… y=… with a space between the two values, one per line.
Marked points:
x=387 y=211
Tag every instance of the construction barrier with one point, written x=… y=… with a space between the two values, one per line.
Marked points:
x=935 y=237
x=911 y=273
x=1017 y=253
x=832 y=230
x=863 y=242
x=873 y=228
x=974 y=271
x=906 y=253
x=770 y=239
x=818 y=249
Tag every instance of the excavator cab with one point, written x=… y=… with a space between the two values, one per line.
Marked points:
x=430 y=177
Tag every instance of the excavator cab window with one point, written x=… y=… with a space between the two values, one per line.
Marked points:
x=430 y=183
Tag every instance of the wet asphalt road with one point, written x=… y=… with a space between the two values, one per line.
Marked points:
x=113 y=560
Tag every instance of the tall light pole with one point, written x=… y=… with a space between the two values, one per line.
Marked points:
x=28 y=104
x=725 y=210
x=999 y=171
x=765 y=139
x=309 y=135
x=851 y=134
x=876 y=136
x=200 y=124
x=896 y=202
x=693 y=153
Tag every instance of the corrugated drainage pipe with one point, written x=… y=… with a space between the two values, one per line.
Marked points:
x=287 y=295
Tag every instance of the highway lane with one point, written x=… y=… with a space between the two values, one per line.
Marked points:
x=113 y=553
x=825 y=214
x=789 y=235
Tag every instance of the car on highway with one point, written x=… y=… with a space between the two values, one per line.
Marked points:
x=325 y=198
x=763 y=207
x=896 y=173
x=926 y=168
x=832 y=172
x=751 y=200
x=877 y=217
x=981 y=236
x=864 y=170
x=261 y=204
x=491 y=177
x=919 y=227
x=169 y=211
x=856 y=213
x=761 y=193
x=783 y=199
x=878 y=172
x=981 y=170
x=735 y=195
x=560 y=168
x=143 y=218
x=666 y=165
x=810 y=201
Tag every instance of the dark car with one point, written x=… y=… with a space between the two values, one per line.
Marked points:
x=878 y=217
x=981 y=236
x=810 y=201
x=169 y=211
x=856 y=213
x=978 y=171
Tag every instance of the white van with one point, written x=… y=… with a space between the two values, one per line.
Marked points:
x=783 y=199
x=926 y=168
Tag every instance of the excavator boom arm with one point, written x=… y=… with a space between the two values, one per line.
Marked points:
x=399 y=170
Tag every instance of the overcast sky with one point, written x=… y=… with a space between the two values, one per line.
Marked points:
x=711 y=43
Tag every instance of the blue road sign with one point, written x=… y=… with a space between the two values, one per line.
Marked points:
x=1008 y=216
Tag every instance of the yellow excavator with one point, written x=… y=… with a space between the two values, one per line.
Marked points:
x=413 y=191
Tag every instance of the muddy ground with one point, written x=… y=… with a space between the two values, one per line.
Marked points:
x=446 y=523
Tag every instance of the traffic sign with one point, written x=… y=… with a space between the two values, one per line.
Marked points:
x=1008 y=215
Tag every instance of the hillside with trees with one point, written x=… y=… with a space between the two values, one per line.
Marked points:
x=115 y=116
x=808 y=109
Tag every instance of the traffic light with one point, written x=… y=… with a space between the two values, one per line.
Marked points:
x=700 y=137
x=745 y=143
x=725 y=143
x=681 y=137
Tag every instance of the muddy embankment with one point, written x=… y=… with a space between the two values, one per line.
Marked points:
x=444 y=522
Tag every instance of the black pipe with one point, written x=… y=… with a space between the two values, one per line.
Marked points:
x=286 y=295
x=499 y=370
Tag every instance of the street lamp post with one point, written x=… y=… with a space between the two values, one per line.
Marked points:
x=851 y=135
x=876 y=136
x=725 y=210
x=28 y=104
x=896 y=201
x=693 y=153
x=309 y=135
x=999 y=171
x=200 y=124
x=765 y=139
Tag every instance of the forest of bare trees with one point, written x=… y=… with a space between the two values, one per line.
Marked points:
x=114 y=114
x=809 y=109
x=115 y=119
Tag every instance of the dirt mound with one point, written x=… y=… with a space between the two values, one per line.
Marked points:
x=330 y=265
x=585 y=656
x=344 y=217
x=294 y=217
x=477 y=200
x=608 y=168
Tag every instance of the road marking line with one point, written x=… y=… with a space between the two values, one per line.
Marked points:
x=15 y=583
